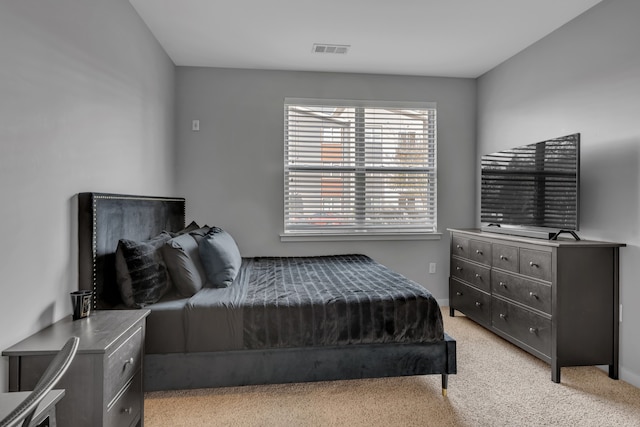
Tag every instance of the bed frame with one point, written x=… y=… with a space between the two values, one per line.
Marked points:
x=103 y=219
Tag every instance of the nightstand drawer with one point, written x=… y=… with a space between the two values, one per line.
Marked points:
x=475 y=274
x=126 y=409
x=525 y=326
x=470 y=301
x=505 y=257
x=123 y=363
x=528 y=292
x=535 y=264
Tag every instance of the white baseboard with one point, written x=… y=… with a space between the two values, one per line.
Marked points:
x=630 y=377
x=623 y=374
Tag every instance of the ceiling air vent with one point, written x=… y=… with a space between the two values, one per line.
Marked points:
x=339 y=49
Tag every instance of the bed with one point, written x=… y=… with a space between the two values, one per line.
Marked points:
x=281 y=319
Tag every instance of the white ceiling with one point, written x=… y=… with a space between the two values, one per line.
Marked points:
x=454 y=38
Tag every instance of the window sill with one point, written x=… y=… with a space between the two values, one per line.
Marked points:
x=328 y=237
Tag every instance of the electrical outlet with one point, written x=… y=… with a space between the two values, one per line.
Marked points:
x=195 y=125
x=432 y=267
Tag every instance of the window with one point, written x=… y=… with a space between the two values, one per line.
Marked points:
x=353 y=167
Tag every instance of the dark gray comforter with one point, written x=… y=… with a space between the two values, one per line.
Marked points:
x=311 y=301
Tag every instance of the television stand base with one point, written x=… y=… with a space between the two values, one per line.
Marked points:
x=527 y=232
x=555 y=236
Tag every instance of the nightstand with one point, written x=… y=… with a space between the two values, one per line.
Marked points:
x=104 y=382
x=45 y=414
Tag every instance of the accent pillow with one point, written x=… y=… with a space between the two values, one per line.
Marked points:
x=189 y=228
x=220 y=257
x=182 y=257
x=141 y=272
x=200 y=233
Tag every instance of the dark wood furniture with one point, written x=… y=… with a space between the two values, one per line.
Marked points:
x=104 y=382
x=103 y=219
x=556 y=299
x=45 y=415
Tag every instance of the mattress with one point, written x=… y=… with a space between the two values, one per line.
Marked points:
x=166 y=330
x=280 y=302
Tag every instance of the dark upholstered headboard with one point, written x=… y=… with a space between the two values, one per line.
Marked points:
x=104 y=219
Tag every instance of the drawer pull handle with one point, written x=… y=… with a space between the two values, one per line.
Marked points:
x=533 y=264
x=502 y=284
x=129 y=362
x=503 y=316
x=478 y=276
x=533 y=295
x=459 y=247
x=503 y=258
x=478 y=251
x=458 y=268
x=128 y=410
x=478 y=303
x=532 y=330
x=459 y=294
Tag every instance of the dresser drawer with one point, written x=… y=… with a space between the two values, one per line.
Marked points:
x=535 y=264
x=525 y=326
x=475 y=274
x=127 y=408
x=528 y=292
x=480 y=251
x=470 y=301
x=505 y=257
x=123 y=363
x=460 y=246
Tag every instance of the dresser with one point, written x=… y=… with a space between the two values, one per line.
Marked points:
x=556 y=299
x=103 y=385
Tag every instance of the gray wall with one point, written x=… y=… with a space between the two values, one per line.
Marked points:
x=86 y=104
x=231 y=171
x=585 y=77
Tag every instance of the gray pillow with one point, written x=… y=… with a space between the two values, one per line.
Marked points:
x=189 y=228
x=199 y=233
x=141 y=272
x=220 y=257
x=182 y=257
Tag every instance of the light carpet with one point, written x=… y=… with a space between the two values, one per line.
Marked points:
x=497 y=384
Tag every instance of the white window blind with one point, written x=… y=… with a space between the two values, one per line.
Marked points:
x=352 y=167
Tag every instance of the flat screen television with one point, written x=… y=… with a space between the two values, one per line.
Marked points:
x=532 y=189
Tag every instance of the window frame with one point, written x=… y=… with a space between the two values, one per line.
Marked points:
x=429 y=229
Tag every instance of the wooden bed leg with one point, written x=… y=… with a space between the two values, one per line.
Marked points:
x=445 y=379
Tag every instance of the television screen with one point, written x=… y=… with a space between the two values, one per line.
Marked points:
x=533 y=186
